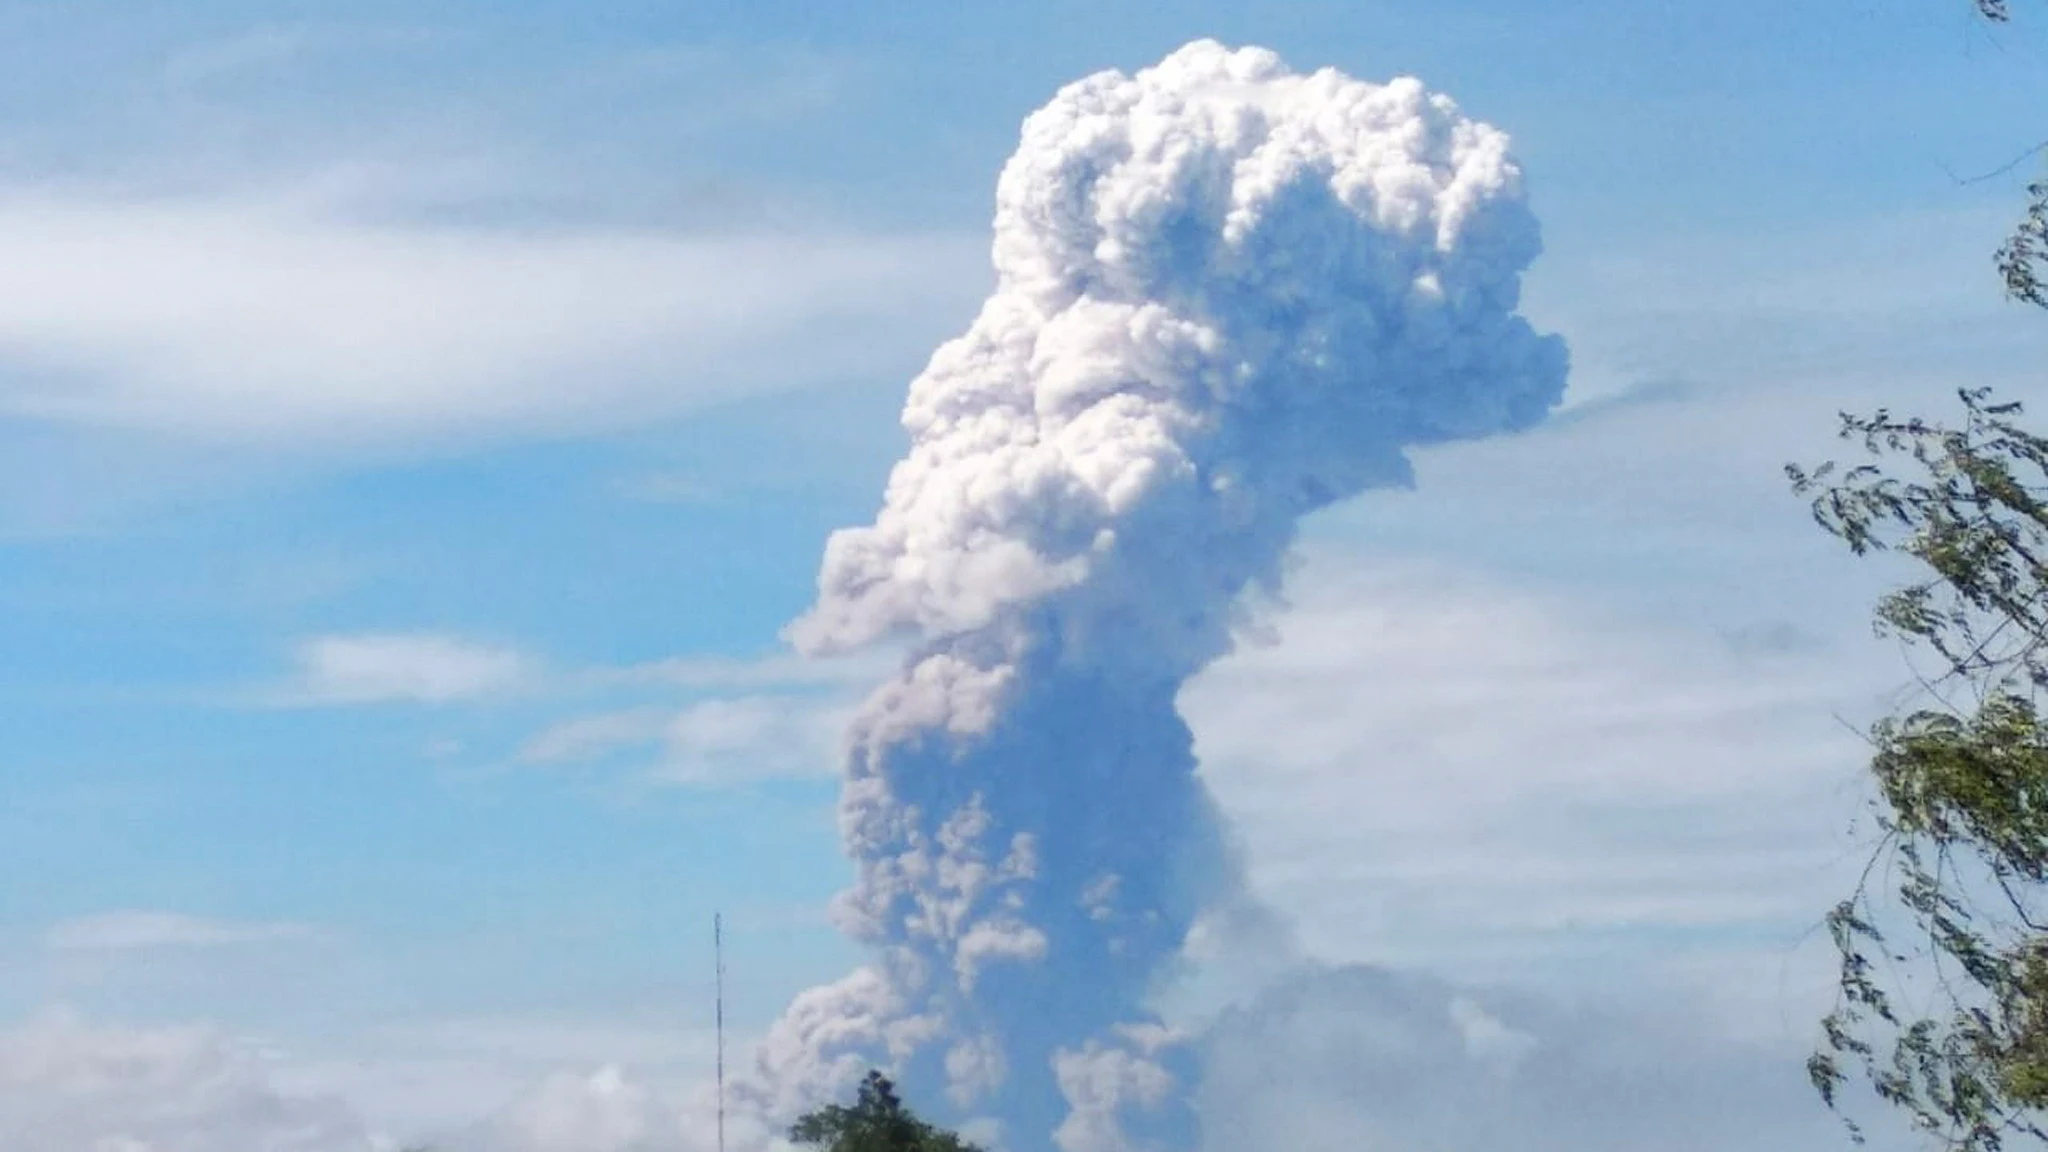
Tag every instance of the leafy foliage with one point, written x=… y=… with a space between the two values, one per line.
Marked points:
x=2021 y=258
x=1963 y=780
x=877 y=1122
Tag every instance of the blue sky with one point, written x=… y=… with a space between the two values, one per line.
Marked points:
x=418 y=421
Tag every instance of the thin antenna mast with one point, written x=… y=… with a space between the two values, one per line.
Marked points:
x=718 y=962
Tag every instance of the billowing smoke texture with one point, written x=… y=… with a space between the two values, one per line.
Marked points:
x=1227 y=295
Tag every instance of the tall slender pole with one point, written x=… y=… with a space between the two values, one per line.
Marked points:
x=718 y=962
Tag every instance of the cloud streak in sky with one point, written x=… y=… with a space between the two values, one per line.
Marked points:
x=135 y=931
x=273 y=323
x=403 y=667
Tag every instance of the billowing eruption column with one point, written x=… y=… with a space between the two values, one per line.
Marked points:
x=1227 y=296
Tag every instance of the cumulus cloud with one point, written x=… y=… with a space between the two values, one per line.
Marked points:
x=132 y=931
x=1376 y=1060
x=67 y=1086
x=612 y=1109
x=1429 y=767
x=562 y=1084
x=270 y=322
x=1228 y=295
x=420 y=667
x=603 y=1111
x=1351 y=1057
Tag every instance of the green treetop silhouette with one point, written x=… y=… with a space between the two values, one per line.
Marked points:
x=877 y=1122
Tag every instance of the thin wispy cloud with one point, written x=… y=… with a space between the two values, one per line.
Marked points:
x=262 y=323
x=139 y=931
x=395 y=667
x=264 y=51
x=581 y=739
x=753 y=738
x=718 y=741
x=777 y=670
x=746 y=720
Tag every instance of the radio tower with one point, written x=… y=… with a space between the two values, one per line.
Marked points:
x=718 y=964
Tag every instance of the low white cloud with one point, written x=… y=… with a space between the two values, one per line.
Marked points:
x=432 y=1080
x=602 y=1111
x=73 y=1083
x=420 y=667
x=135 y=931
x=1439 y=770
x=68 y=1086
x=551 y=1084
x=1371 y=1059
x=265 y=321
x=1376 y=1060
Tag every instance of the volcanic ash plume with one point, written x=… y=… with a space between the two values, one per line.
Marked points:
x=1227 y=295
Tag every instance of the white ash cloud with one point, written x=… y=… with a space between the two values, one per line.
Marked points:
x=1227 y=295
